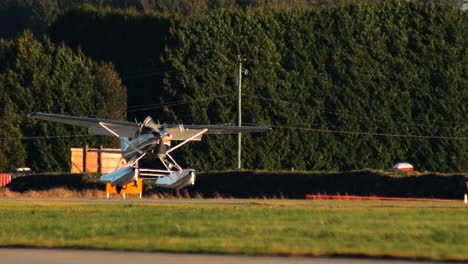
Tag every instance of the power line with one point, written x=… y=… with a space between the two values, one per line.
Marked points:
x=360 y=115
x=311 y=129
x=279 y=127
x=145 y=73
x=44 y=137
x=370 y=133
x=175 y=103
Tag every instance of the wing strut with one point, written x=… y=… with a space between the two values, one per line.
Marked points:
x=168 y=164
x=137 y=159
x=108 y=129
x=187 y=140
x=117 y=135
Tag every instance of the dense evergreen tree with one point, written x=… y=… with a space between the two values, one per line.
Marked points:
x=131 y=41
x=39 y=76
x=13 y=153
x=366 y=84
x=36 y=15
x=19 y=15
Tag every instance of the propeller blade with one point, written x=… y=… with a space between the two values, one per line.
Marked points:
x=151 y=124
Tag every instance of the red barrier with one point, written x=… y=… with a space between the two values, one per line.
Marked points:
x=368 y=198
x=5 y=178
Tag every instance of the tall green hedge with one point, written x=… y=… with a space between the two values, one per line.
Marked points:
x=292 y=185
x=387 y=69
x=40 y=76
x=131 y=41
x=348 y=87
x=296 y=185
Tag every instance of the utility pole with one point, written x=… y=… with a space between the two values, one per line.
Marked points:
x=239 y=111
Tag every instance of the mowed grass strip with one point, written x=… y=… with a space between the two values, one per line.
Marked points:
x=430 y=230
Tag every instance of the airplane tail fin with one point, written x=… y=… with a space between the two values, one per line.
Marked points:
x=124 y=143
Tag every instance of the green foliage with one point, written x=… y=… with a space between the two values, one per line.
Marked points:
x=385 y=69
x=36 y=15
x=130 y=41
x=39 y=76
x=346 y=87
x=18 y=15
x=13 y=153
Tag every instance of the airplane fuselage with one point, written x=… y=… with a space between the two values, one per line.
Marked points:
x=139 y=145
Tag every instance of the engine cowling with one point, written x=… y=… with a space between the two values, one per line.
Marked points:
x=164 y=144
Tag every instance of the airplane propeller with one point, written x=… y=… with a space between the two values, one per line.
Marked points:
x=149 y=123
x=161 y=129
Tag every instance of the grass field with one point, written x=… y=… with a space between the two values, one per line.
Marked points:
x=428 y=230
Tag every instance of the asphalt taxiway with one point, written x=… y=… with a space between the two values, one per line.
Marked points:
x=77 y=256
x=307 y=203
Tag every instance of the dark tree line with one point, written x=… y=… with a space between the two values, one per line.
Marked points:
x=37 y=15
x=385 y=71
x=40 y=76
x=345 y=87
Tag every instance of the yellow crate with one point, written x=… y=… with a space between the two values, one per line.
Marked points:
x=135 y=187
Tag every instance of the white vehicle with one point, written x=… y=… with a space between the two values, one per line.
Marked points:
x=22 y=171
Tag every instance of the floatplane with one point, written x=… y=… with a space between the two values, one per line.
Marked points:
x=139 y=139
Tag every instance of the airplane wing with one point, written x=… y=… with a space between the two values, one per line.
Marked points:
x=126 y=129
x=182 y=132
x=122 y=128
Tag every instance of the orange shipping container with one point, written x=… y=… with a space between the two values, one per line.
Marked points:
x=84 y=161
x=5 y=178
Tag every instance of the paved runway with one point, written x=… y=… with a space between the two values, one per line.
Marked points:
x=75 y=256
x=308 y=203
